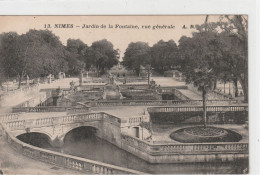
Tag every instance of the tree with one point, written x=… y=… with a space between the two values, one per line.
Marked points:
x=102 y=55
x=164 y=55
x=36 y=53
x=235 y=48
x=7 y=41
x=75 y=55
x=136 y=55
x=200 y=62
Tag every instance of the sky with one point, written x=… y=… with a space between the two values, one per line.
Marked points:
x=120 y=37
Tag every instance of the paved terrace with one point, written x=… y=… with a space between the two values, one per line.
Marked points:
x=167 y=81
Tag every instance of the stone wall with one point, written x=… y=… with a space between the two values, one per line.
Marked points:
x=11 y=97
x=184 y=153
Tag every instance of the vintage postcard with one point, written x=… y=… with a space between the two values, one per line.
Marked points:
x=153 y=94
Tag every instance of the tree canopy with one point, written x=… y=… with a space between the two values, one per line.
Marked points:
x=136 y=55
x=36 y=53
x=75 y=55
x=164 y=55
x=102 y=55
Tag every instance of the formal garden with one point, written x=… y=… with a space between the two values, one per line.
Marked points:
x=165 y=103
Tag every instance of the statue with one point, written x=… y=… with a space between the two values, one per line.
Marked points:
x=72 y=86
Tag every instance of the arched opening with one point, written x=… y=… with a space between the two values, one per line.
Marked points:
x=79 y=134
x=136 y=132
x=36 y=139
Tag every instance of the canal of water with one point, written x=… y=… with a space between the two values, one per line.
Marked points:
x=82 y=142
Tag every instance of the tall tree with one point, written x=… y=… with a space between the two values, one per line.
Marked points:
x=164 y=55
x=7 y=41
x=76 y=55
x=235 y=50
x=200 y=62
x=36 y=53
x=102 y=55
x=136 y=55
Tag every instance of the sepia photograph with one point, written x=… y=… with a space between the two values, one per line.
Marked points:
x=124 y=94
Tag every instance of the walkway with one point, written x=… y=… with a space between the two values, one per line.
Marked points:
x=167 y=81
x=62 y=83
x=12 y=162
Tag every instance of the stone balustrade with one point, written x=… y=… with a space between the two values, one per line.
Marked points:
x=75 y=110
x=49 y=121
x=134 y=121
x=60 y=159
x=9 y=117
x=184 y=148
x=82 y=117
x=134 y=86
x=69 y=110
x=158 y=102
x=41 y=109
x=198 y=108
x=15 y=125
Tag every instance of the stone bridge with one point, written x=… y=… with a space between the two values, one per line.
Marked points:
x=107 y=126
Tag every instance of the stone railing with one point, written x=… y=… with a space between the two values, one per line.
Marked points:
x=131 y=80
x=170 y=88
x=82 y=117
x=63 y=160
x=41 y=109
x=69 y=110
x=199 y=108
x=95 y=80
x=157 y=102
x=9 y=117
x=75 y=110
x=49 y=121
x=134 y=86
x=134 y=121
x=184 y=148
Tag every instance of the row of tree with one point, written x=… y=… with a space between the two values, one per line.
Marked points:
x=39 y=53
x=162 y=56
x=216 y=51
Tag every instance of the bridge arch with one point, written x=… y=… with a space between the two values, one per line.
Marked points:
x=80 y=132
x=94 y=126
x=38 y=139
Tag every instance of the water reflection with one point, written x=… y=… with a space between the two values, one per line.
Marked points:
x=82 y=142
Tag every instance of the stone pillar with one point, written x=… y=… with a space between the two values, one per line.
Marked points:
x=57 y=142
